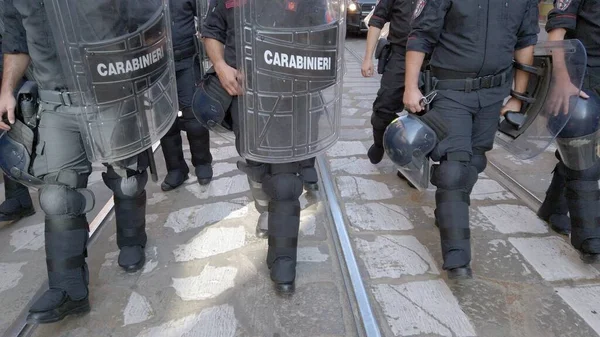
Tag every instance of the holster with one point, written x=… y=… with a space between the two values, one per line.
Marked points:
x=383 y=51
x=427 y=85
x=28 y=103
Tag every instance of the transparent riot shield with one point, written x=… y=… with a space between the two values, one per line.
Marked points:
x=290 y=58
x=117 y=57
x=554 y=85
x=202 y=8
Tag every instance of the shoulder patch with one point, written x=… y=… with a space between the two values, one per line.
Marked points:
x=419 y=8
x=563 y=4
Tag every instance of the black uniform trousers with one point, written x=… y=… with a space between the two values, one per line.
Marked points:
x=471 y=129
x=198 y=136
x=14 y=190
x=389 y=96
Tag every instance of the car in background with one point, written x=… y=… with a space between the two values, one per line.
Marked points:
x=356 y=11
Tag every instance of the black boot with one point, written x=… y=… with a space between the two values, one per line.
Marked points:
x=401 y=176
x=309 y=175
x=583 y=197
x=199 y=139
x=261 y=202
x=376 y=150
x=177 y=169
x=131 y=232
x=68 y=278
x=204 y=173
x=262 y=227
x=554 y=209
x=284 y=189
x=17 y=205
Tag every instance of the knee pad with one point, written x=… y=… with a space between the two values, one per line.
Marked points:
x=129 y=187
x=63 y=200
x=479 y=161
x=283 y=186
x=451 y=175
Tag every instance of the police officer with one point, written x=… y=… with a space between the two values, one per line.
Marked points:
x=61 y=159
x=472 y=46
x=17 y=202
x=187 y=66
x=391 y=64
x=574 y=188
x=276 y=188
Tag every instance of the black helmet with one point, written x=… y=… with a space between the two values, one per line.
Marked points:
x=16 y=148
x=408 y=141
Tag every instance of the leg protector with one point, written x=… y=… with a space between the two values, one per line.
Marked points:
x=454 y=179
x=255 y=173
x=172 y=147
x=66 y=235
x=554 y=209
x=199 y=139
x=130 y=205
x=18 y=203
x=309 y=174
x=583 y=196
x=283 y=187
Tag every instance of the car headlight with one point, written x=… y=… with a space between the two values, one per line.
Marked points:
x=352 y=7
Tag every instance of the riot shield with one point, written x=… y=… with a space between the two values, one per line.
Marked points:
x=555 y=82
x=117 y=58
x=290 y=57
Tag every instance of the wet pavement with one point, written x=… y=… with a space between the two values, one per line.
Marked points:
x=205 y=274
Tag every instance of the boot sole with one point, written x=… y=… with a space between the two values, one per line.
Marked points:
x=79 y=310
x=462 y=273
x=285 y=289
x=135 y=267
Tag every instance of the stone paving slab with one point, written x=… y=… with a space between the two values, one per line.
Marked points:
x=528 y=281
x=206 y=274
x=22 y=255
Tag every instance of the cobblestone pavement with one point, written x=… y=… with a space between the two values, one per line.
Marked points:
x=206 y=275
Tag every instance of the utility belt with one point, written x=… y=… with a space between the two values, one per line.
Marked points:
x=445 y=79
x=384 y=51
x=184 y=53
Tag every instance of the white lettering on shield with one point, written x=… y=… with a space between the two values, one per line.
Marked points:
x=297 y=61
x=119 y=68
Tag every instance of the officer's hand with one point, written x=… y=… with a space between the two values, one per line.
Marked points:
x=513 y=104
x=560 y=96
x=7 y=109
x=229 y=79
x=367 y=68
x=413 y=100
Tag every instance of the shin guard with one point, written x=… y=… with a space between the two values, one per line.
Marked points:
x=454 y=180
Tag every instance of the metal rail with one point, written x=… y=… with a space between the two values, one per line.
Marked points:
x=366 y=313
